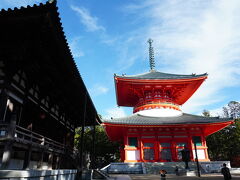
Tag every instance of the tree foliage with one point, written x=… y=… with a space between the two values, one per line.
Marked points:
x=225 y=144
x=206 y=113
x=105 y=150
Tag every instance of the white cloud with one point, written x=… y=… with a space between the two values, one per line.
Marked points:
x=115 y=112
x=196 y=37
x=216 y=112
x=75 y=47
x=87 y=19
x=98 y=89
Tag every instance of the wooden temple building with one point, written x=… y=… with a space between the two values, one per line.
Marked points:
x=42 y=95
x=158 y=130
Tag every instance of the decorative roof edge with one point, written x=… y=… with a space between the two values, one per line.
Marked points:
x=197 y=116
x=116 y=121
x=176 y=76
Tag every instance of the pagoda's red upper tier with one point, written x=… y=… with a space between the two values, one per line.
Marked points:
x=156 y=88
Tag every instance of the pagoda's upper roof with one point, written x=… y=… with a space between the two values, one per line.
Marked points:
x=184 y=86
x=160 y=75
x=137 y=119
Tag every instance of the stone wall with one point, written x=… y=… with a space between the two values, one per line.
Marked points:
x=65 y=174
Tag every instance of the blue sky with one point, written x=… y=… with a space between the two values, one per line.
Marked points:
x=190 y=36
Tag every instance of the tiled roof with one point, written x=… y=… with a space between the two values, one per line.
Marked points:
x=160 y=75
x=41 y=28
x=137 y=119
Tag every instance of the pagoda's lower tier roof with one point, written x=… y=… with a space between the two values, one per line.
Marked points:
x=137 y=119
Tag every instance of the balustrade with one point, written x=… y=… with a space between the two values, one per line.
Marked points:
x=30 y=137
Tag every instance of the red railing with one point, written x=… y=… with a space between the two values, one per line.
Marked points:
x=154 y=101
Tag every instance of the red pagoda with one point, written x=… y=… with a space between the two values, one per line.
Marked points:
x=158 y=130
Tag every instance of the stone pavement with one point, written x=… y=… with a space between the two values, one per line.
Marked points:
x=121 y=177
x=172 y=177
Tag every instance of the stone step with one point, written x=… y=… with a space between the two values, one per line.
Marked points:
x=154 y=168
x=124 y=168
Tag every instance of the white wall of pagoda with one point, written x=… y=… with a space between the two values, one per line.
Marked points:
x=133 y=155
x=160 y=112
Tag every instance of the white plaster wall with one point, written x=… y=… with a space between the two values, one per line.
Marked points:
x=133 y=155
x=66 y=174
x=200 y=153
x=162 y=112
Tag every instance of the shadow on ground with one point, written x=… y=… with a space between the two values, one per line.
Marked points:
x=172 y=177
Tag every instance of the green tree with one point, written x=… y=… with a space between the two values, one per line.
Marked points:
x=206 y=113
x=105 y=150
x=225 y=144
x=232 y=110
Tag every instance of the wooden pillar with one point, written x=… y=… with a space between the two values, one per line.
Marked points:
x=40 y=162
x=50 y=160
x=155 y=148
x=82 y=134
x=3 y=104
x=6 y=155
x=157 y=159
x=58 y=159
x=9 y=143
x=125 y=146
x=190 y=142
x=173 y=147
x=205 y=147
x=204 y=143
x=28 y=153
x=140 y=147
x=93 y=164
x=27 y=157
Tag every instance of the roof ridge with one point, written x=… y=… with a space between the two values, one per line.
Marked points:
x=154 y=117
x=210 y=117
x=160 y=73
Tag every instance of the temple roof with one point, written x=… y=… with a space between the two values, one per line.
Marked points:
x=32 y=39
x=160 y=75
x=130 y=88
x=137 y=119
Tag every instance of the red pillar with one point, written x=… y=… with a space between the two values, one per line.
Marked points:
x=140 y=148
x=124 y=148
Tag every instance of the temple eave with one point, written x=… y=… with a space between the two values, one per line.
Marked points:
x=169 y=125
x=156 y=76
x=116 y=131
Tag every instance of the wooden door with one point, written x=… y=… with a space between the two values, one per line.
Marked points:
x=148 y=151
